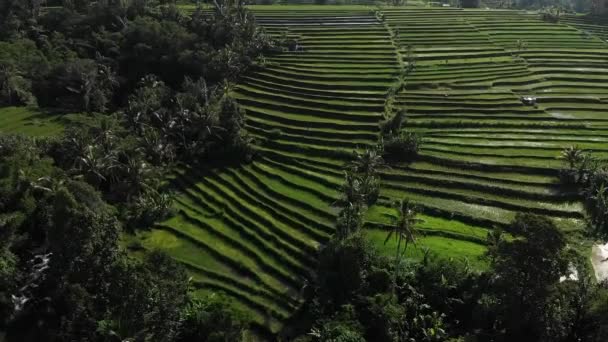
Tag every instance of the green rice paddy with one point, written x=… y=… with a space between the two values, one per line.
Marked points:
x=22 y=120
x=253 y=231
x=487 y=156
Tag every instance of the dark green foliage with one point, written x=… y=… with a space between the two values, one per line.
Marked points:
x=590 y=176
x=569 y=314
x=80 y=214
x=212 y=318
x=343 y=327
x=403 y=146
x=148 y=300
x=77 y=85
x=399 y=144
x=342 y=266
x=358 y=294
x=350 y=221
x=356 y=298
x=20 y=62
x=64 y=201
x=14 y=88
x=361 y=189
x=60 y=254
x=596 y=202
x=366 y=166
x=393 y=124
x=126 y=39
x=525 y=268
x=193 y=124
x=150 y=44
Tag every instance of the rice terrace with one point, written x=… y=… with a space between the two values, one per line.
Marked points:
x=467 y=119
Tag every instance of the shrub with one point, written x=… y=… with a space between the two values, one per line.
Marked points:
x=403 y=147
x=212 y=318
x=393 y=124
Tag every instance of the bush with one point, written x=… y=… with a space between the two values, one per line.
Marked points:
x=403 y=147
x=77 y=85
x=212 y=318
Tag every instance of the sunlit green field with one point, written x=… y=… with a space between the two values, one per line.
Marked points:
x=254 y=231
x=27 y=121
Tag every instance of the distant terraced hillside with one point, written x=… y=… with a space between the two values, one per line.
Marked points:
x=253 y=231
x=487 y=155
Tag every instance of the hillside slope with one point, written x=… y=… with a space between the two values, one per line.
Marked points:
x=253 y=231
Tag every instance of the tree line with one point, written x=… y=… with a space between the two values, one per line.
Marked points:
x=153 y=86
x=537 y=286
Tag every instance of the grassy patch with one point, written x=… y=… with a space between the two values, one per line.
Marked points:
x=23 y=120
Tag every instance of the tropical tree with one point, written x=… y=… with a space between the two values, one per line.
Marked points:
x=403 y=228
x=14 y=88
x=403 y=146
x=587 y=168
x=95 y=88
x=365 y=166
x=597 y=208
x=573 y=155
x=367 y=163
x=350 y=220
x=212 y=318
x=351 y=191
x=393 y=124
x=494 y=240
x=96 y=165
x=525 y=269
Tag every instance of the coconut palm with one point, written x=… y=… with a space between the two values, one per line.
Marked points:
x=350 y=220
x=351 y=191
x=494 y=239
x=96 y=165
x=573 y=155
x=367 y=163
x=598 y=208
x=14 y=89
x=108 y=128
x=587 y=167
x=404 y=228
x=6 y=85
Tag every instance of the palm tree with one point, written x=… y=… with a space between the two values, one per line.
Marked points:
x=573 y=155
x=404 y=228
x=8 y=86
x=391 y=127
x=108 y=127
x=349 y=221
x=494 y=240
x=351 y=191
x=367 y=163
x=106 y=77
x=598 y=208
x=96 y=165
x=587 y=167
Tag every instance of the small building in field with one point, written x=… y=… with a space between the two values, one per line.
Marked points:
x=470 y=3
x=599 y=7
x=528 y=100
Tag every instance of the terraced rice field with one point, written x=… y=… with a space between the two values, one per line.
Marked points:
x=30 y=122
x=253 y=231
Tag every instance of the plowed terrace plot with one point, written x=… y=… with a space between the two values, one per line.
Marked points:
x=253 y=231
